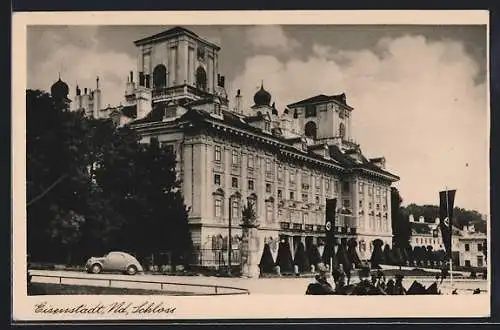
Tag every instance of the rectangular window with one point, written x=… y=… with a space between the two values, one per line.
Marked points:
x=480 y=247
x=235 y=158
x=361 y=204
x=269 y=212
x=377 y=206
x=218 y=207
x=267 y=126
x=251 y=161
x=370 y=205
x=305 y=198
x=317 y=182
x=370 y=190
x=234 y=182
x=292 y=176
x=467 y=247
x=317 y=200
x=310 y=110
x=327 y=185
x=305 y=218
x=346 y=203
x=480 y=261
x=280 y=173
x=250 y=185
x=292 y=196
x=217 y=179
x=336 y=187
x=345 y=187
x=236 y=209
x=361 y=187
x=268 y=188
x=268 y=165
x=467 y=263
x=280 y=194
x=218 y=154
x=217 y=110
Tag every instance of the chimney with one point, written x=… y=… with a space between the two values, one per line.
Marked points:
x=78 y=91
x=97 y=82
x=85 y=91
x=131 y=76
x=222 y=81
x=237 y=107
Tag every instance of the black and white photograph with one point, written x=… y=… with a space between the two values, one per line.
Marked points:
x=225 y=160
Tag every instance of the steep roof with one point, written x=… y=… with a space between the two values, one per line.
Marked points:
x=321 y=98
x=229 y=118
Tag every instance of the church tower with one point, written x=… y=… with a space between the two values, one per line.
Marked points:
x=177 y=66
x=324 y=119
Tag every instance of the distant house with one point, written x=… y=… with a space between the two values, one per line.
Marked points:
x=467 y=244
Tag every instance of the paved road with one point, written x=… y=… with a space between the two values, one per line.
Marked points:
x=255 y=286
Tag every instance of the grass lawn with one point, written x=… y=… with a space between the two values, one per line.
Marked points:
x=36 y=289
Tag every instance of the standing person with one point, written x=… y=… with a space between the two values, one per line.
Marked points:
x=398 y=286
x=320 y=286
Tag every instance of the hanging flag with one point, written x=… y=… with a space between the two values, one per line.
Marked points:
x=331 y=205
x=446 y=204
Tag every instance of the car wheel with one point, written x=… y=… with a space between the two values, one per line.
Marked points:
x=131 y=270
x=96 y=269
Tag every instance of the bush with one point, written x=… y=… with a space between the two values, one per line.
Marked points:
x=266 y=261
x=284 y=259
x=301 y=259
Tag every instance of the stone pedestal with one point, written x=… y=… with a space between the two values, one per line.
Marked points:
x=250 y=252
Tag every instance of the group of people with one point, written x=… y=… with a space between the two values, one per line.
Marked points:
x=371 y=282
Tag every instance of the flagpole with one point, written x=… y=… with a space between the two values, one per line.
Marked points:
x=451 y=238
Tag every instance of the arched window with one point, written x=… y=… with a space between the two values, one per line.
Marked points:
x=201 y=78
x=310 y=130
x=342 y=130
x=160 y=76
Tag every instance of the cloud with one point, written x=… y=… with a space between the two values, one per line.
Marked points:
x=270 y=37
x=416 y=102
x=76 y=53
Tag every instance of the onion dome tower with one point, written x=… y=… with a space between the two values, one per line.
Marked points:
x=262 y=97
x=59 y=91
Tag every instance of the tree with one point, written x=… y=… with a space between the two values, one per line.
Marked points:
x=301 y=259
x=388 y=258
x=284 y=258
x=57 y=177
x=401 y=229
x=377 y=254
x=314 y=255
x=266 y=261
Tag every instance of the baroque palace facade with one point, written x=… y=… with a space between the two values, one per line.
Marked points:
x=286 y=162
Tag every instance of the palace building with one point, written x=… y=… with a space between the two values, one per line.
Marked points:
x=287 y=162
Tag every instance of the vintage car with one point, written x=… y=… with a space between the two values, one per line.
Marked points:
x=114 y=262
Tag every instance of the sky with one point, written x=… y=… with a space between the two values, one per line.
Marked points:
x=419 y=93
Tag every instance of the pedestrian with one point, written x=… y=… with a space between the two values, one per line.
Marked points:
x=320 y=286
x=398 y=285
